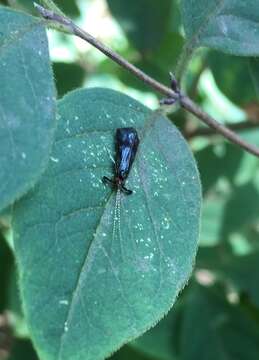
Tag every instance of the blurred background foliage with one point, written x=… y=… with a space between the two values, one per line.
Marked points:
x=217 y=314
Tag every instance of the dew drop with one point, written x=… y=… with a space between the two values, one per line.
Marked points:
x=56 y=160
x=63 y=302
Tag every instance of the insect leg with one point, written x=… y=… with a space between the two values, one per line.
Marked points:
x=126 y=191
x=106 y=180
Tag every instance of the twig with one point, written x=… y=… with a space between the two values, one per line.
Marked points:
x=189 y=105
x=185 y=102
x=74 y=29
x=206 y=131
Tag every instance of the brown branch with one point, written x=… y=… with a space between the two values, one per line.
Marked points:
x=206 y=131
x=184 y=101
x=189 y=105
x=74 y=29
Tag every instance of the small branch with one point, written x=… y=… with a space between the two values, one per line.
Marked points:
x=184 y=101
x=206 y=131
x=189 y=105
x=75 y=30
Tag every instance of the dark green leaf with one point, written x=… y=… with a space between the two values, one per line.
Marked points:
x=162 y=341
x=213 y=258
x=241 y=211
x=231 y=26
x=22 y=350
x=27 y=104
x=67 y=76
x=213 y=164
x=235 y=76
x=6 y=263
x=70 y=7
x=213 y=329
x=240 y=271
x=80 y=281
x=145 y=23
x=127 y=353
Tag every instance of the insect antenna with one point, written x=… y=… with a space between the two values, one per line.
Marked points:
x=117 y=214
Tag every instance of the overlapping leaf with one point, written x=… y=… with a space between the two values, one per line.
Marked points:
x=27 y=104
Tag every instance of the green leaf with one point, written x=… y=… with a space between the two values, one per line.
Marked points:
x=70 y=7
x=22 y=349
x=27 y=104
x=145 y=23
x=213 y=258
x=231 y=26
x=162 y=341
x=235 y=76
x=68 y=76
x=240 y=219
x=212 y=218
x=213 y=329
x=223 y=163
x=127 y=353
x=86 y=289
x=241 y=272
x=6 y=262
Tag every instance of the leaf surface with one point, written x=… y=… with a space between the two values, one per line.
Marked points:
x=89 y=287
x=229 y=330
x=145 y=23
x=27 y=104
x=231 y=26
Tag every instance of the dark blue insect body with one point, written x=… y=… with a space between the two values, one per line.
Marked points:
x=126 y=147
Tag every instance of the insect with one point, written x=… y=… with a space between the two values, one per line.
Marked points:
x=127 y=142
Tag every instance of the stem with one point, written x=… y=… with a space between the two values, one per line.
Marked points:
x=185 y=102
x=191 y=107
x=242 y=125
x=75 y=30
